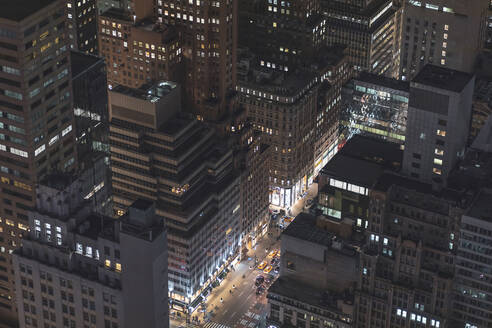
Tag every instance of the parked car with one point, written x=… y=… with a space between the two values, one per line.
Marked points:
x=277 y=270
x=262 y=265
x=259 y=280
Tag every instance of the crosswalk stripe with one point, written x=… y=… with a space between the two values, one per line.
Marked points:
x=212 y=324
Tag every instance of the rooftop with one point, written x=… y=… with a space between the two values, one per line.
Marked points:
x=363 y=160
x=443 y=78
x=19 y=10
x=82 y=61
x=59 y=181
x=117 y=13
x=388 y=179
x=150 y=92
x=307 y=294
x=482 y=206
x=383 y=81
x=304 y=227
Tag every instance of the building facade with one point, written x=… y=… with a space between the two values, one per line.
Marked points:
x=78 y=269
x=369 y=29
x=444 y=33
x=137 y=50
x=473 y=295
x=36 y=118
x=438 y=122
x=209 y=42
x=311 y=292
x=179 y=164
x=82 y=25
x=407 y=264
x=376 y=106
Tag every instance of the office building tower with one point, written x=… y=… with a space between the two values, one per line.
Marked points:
x=137 y=50
x=80 y=269
x=90 y=103
x=209 y=41
x=318 y=273
x=82 y=25
x=444 y=33
x=291 y=32
x=36 y=118
x=284 y=109
x=438 y=122
x=370 y=30
x=376 y=106
x=407 y=265
x=178 y=163
x=294 y=110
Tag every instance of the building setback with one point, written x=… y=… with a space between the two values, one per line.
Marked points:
x=80 y=269
x=36 y=118
x=175 y=161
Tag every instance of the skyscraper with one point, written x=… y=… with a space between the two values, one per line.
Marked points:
x=36 y=118
x=438 y=121
x=446 y=33
x=76 y=268
x=369 y=29
x=209 y=41
x=176 y=161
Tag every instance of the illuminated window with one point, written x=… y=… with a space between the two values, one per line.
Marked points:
x=274 y=24
x=445 y=36
x=444 y=44
x=438 y=161
x=438 y=151
x=443 y=62
x=436 y=171
x=446 y=27
x=107 y=263
x=118 y=267
x=441 y=133
x=443 y=53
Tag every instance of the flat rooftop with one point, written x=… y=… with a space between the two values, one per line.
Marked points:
x=383 y=81
x=306 y=294
x=150 y=92
x=363 y=160
x=304 y=227
x=482 y=206
x=117 y=13
x=18 y=10
x=443 y=78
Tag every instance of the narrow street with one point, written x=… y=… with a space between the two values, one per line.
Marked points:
x=241 y=307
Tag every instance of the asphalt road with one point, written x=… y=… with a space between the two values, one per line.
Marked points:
x=240 y=306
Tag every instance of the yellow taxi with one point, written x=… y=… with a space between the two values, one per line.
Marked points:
x=272 y=253
x=262 y=265
x=268 y=269
x=288 y=219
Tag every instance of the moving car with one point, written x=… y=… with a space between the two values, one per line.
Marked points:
x=262 y=265
x=268 y=269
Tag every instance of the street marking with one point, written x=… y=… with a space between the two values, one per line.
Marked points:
x=233 y=314
x=212 y=324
